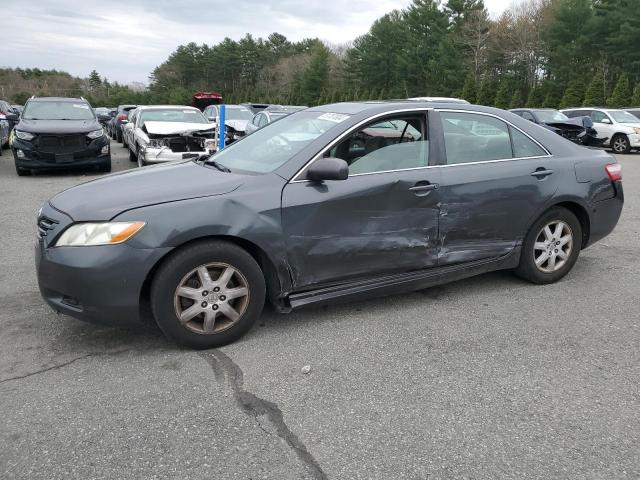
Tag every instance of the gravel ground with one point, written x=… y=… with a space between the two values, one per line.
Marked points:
x=484 y=378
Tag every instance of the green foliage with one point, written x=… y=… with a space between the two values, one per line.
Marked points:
x=504 y=94
x=635 y=98
x=536 y=97
x=486 y=93
x=620 y=97
x=595 y=96
x=517 y=100
x=469 y=89
x=573 y=94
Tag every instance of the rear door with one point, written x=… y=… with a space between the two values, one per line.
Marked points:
x=494 y=181
x=382 y=219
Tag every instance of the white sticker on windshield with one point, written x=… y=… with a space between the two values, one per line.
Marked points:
x=333 y=117
x=79 y=105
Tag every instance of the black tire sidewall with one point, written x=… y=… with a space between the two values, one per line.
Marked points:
x=527 y=268
x=179 y=264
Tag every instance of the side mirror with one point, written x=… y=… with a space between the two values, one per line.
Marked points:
x=328 y=169
x=12 y=117
x=606 y=120
x=212 y=119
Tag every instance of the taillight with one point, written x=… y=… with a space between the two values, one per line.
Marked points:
x=122 y=116
x=614 y=170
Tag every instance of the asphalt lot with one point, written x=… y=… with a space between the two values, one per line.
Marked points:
x=485 y=378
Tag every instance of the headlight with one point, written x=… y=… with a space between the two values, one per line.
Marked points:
x=95 y=134
x=636 y=129
x=24 y=135
x=107 y=233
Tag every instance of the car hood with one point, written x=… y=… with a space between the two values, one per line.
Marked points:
x=108 y=196
x=175 y=128
x=58 y=126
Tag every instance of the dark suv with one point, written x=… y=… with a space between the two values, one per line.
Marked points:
x=58 y=133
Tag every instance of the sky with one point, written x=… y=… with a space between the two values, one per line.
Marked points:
x=124 y=40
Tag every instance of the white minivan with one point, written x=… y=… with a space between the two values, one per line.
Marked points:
x=621 y=128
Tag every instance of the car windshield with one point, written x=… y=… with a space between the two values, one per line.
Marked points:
x=550 y=116
x=52 y=110
x=270 y=147
x=237 y=113
x=183 y=115
x=621 y=116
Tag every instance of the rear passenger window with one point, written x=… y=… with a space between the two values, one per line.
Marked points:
x=523 y=146
x=471 y=137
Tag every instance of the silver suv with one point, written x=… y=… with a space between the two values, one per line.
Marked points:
x=621 y=128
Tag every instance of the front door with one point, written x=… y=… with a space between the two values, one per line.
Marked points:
x=496 y=179
x=382 y=219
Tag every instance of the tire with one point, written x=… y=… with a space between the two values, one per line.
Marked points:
x=180 y=269
x=537 y=244
x=132 y=156
x=124 y=142
x=118 y=135
x=140 y=159
x=620 y=144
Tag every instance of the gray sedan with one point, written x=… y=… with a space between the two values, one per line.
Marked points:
x=335 y=202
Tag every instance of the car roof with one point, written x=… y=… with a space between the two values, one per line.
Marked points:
x=353 y=108
x=164 y=107
x=57 y=99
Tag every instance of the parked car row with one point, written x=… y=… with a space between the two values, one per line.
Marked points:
x=617 y=129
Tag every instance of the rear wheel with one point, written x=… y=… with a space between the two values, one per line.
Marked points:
x=620 y=144
x=551 y=247
x=105 y=166
x=118 y=135
x=208 y=295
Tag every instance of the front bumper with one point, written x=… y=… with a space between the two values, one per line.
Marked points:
x=101 y=284
x=33 y=158
x=634 y=140
x=164 y=154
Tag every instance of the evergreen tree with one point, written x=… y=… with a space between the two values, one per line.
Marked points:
x=573 y=95
x=486 y=93
x=315 y=77
x=95 y=81
x=635 y=99
x=620 y=97
x=594 y=96
x=469 y=89
x=536 y=97
x=517 y=100
x=503 y=96
x=553 y=94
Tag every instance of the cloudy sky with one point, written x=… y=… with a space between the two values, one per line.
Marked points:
x=125 y=39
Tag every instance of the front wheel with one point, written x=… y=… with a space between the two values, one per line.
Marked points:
x=620 y=144
x=132 y=156
x=208 y=294
x=551 y=247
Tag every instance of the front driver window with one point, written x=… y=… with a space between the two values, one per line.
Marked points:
x=597 y=117
x=396 y=143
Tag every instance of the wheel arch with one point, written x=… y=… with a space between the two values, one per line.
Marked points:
x=581 y=214
x=275 y=284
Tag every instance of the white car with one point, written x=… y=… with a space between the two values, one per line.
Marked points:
x=164 y=133
x=619 y=127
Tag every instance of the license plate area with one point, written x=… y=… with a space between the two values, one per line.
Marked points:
x=64 y=157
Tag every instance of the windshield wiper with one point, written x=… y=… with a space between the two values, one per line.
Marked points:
x=208 y=160
x=219 y=166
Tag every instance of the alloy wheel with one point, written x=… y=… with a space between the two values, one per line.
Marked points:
x=211 y=298
x=553 y=246
x=620 y=144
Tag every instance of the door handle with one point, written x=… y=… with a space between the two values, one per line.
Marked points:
x=423 y=188
x=541 y=173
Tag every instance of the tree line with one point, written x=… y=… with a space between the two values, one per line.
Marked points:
x=538 y=53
